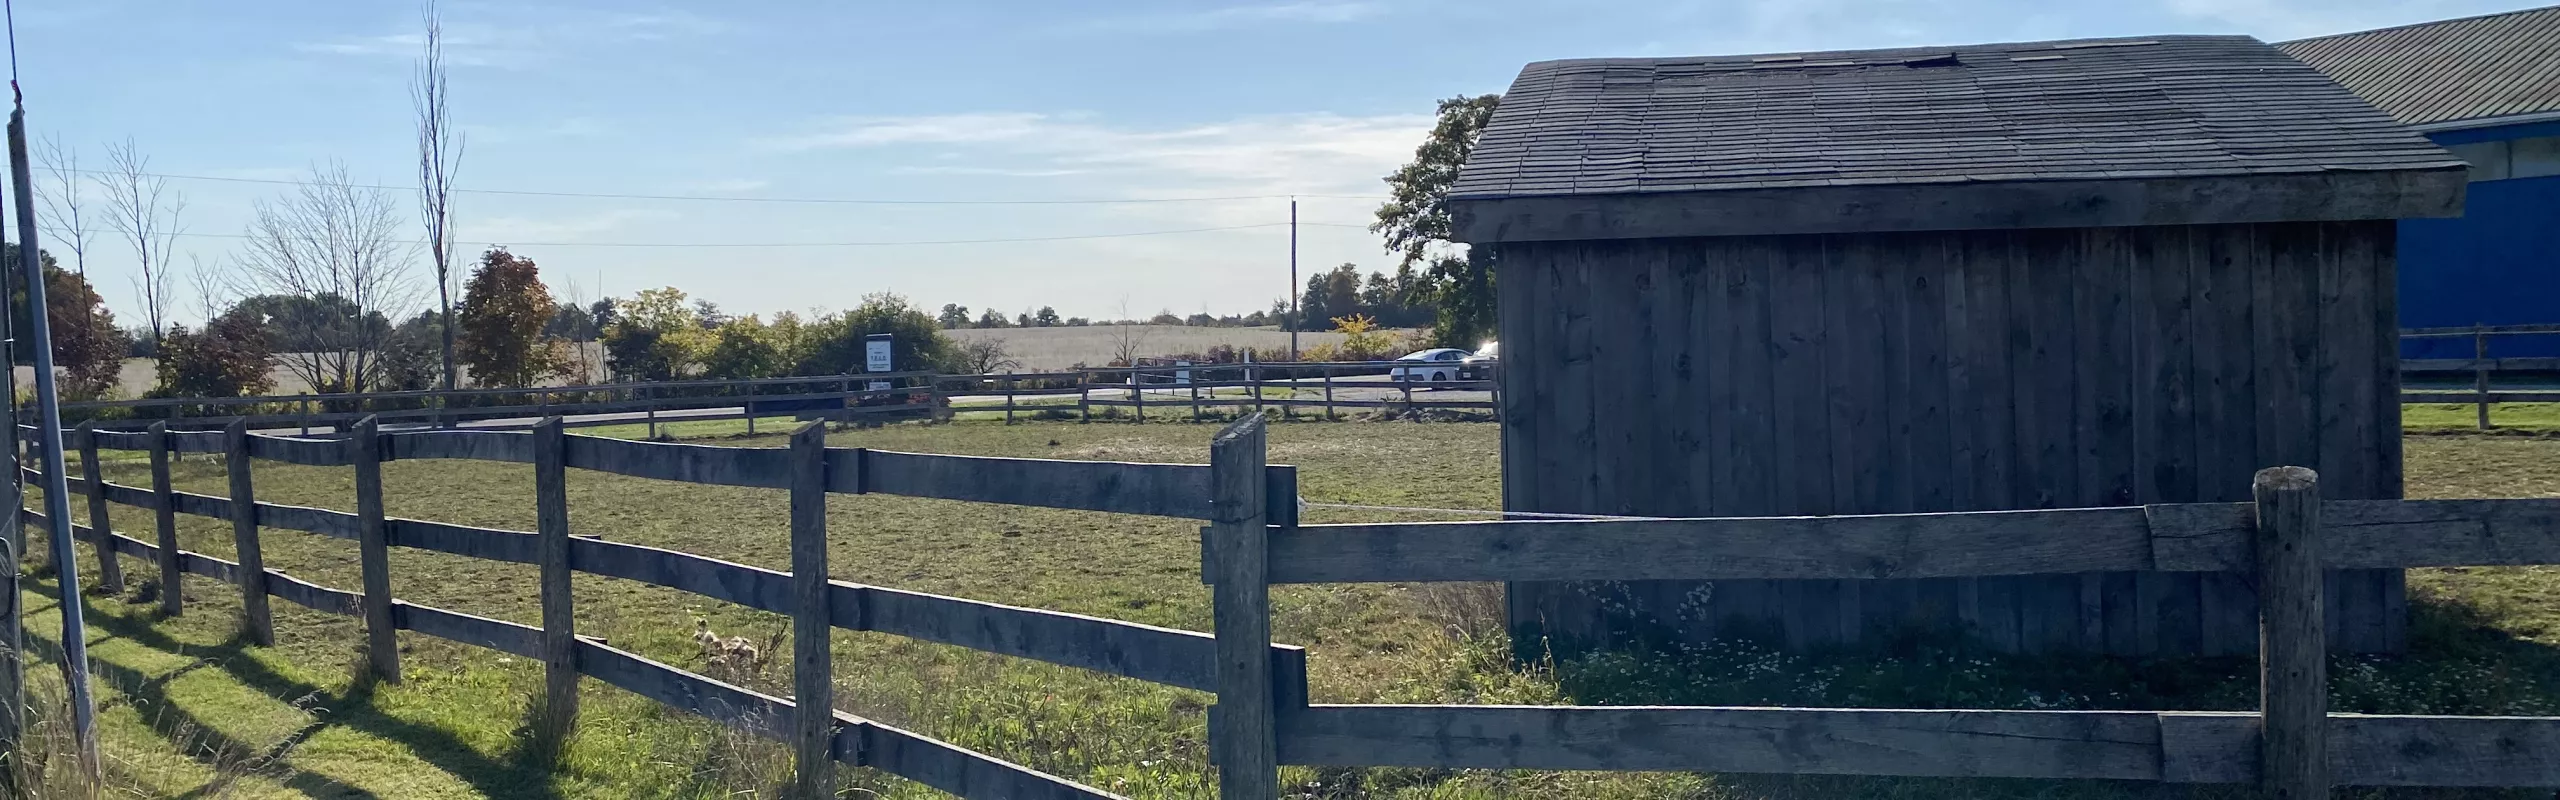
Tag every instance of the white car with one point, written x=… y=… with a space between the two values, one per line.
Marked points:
x=1435 y=365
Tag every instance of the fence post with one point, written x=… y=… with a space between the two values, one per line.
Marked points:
x=164 y=520
x=1242 y=733
x=256 y=621
x=559 y=628
x=306 y=417
x=2293 y=679
x=812 y=657
x=110 y=568
x=650 y=406
x=1328 y=393
x=373 y=550
x=1008 y=397
x=2480 y=371
x=1191 y=378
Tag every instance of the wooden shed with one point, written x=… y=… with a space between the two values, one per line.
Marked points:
x=2055 y=274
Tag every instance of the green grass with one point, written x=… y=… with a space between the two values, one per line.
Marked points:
x=2454 y=417
x=189 y=712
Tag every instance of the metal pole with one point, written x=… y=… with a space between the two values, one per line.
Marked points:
x=13 y=695
x=1294 y=322
x=57 y=490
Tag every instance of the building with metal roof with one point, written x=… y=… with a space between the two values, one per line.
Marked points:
x=2064 y=274
x=2487 y=88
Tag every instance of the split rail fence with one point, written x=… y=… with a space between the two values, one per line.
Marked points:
x=1263 y=717
x=1168 y=391
x=2481 y=366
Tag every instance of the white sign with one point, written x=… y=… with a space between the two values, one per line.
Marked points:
x=1182 y=376
x=879 y=386
x=875 y=354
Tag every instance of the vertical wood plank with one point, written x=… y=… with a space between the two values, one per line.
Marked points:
x=2383 y=274
x=1929 y=465
x=373 y=546
x=559 y=713
x=1521 y=283
x=812 y=651
x=2225 y=383
x=2042 y=312
x=1243 y=729
x=164 y=522
x=255 y=620
x=110 y=568
x=1984 y=434
x=2348 y=401
x=1799 y=339
x=2293 y=682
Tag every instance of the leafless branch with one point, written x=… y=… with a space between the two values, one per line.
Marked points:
x=439 y=157
x=336 y=243
x=145 y=211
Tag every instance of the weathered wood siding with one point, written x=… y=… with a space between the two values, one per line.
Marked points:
x=1951 y=371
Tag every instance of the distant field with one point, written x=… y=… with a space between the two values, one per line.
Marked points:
x=1061 y=348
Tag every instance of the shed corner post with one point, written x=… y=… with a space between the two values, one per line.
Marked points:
x=1243 y=730
x=256 y=621
x=164 y=521
x=812 y=657
x=2480 y=372
x=110 y=568
x=2293 y=677
x=559 y=709
x=373 y=550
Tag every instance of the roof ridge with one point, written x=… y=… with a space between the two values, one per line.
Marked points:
x=2426 y=24
x=1899 y=48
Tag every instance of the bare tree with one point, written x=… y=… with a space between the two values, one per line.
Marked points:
x=143 y=209
x=326 y=262
x=439 y=156
x=986 y=356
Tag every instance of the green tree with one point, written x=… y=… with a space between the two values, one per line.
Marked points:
x=992 y=318
x=836 y=341
x=746 y=348
x=1416 y=224
x=954 y=315
x=87 y=345
x=504 y=309
x=229 y=357
x=655 y=336
x=1047 y=318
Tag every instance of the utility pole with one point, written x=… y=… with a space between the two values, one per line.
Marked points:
x=57 y=491
x=1294 y=322
x=13 y=685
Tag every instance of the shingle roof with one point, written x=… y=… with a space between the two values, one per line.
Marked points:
x=2169 y=106
x=2500 y=65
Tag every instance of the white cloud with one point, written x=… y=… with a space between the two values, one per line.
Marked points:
x=1275 y=154
x=1237 y=16
x=509 y=37
x=999 y=172
x=2278 y=20
x=727 y=186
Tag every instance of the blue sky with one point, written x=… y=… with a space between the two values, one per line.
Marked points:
x=915 y=101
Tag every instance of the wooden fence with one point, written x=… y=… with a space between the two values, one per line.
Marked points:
x=808 y=470
x=2481 y=367
x=1263 y=717
x=1168 y=391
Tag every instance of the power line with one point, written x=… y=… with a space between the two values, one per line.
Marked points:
x=803 y=200
x=890 y=243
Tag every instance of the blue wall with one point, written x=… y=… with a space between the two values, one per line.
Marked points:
x=2498 y=263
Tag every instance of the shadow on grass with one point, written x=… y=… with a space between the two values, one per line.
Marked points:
x=354 y=709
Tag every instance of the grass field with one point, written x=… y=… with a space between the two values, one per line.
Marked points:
x=187 y=712
x=1060 y=348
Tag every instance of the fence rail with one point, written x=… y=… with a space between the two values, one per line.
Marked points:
x=2482 y=367
x=1191 y=390
x=1253 y=540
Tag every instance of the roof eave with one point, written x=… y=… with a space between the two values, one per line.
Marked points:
x=2486 y=122
x=2336 y=195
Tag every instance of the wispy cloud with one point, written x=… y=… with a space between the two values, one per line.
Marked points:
x=509 y=37
x=726 y=186
x=1275 y=154
x=1236 y=16
x=999 y=172
x=2276 y=20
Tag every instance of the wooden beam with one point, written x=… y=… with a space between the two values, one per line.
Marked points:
x=1870 y=546
x=509 y=446
x=753 y=587
x=307 y=452
x=1164 y=490
x=2123 y=745
x=256 y=621
x=1236 y=551
x=1961 y=205
x=463 y=540
x=689 y=463
x=164 y=521
x=110 y=568
x=454 y=626
x=956 y=770
x=2293 y=662
x=812 y=646
x=560 y=651
x=363 y=449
